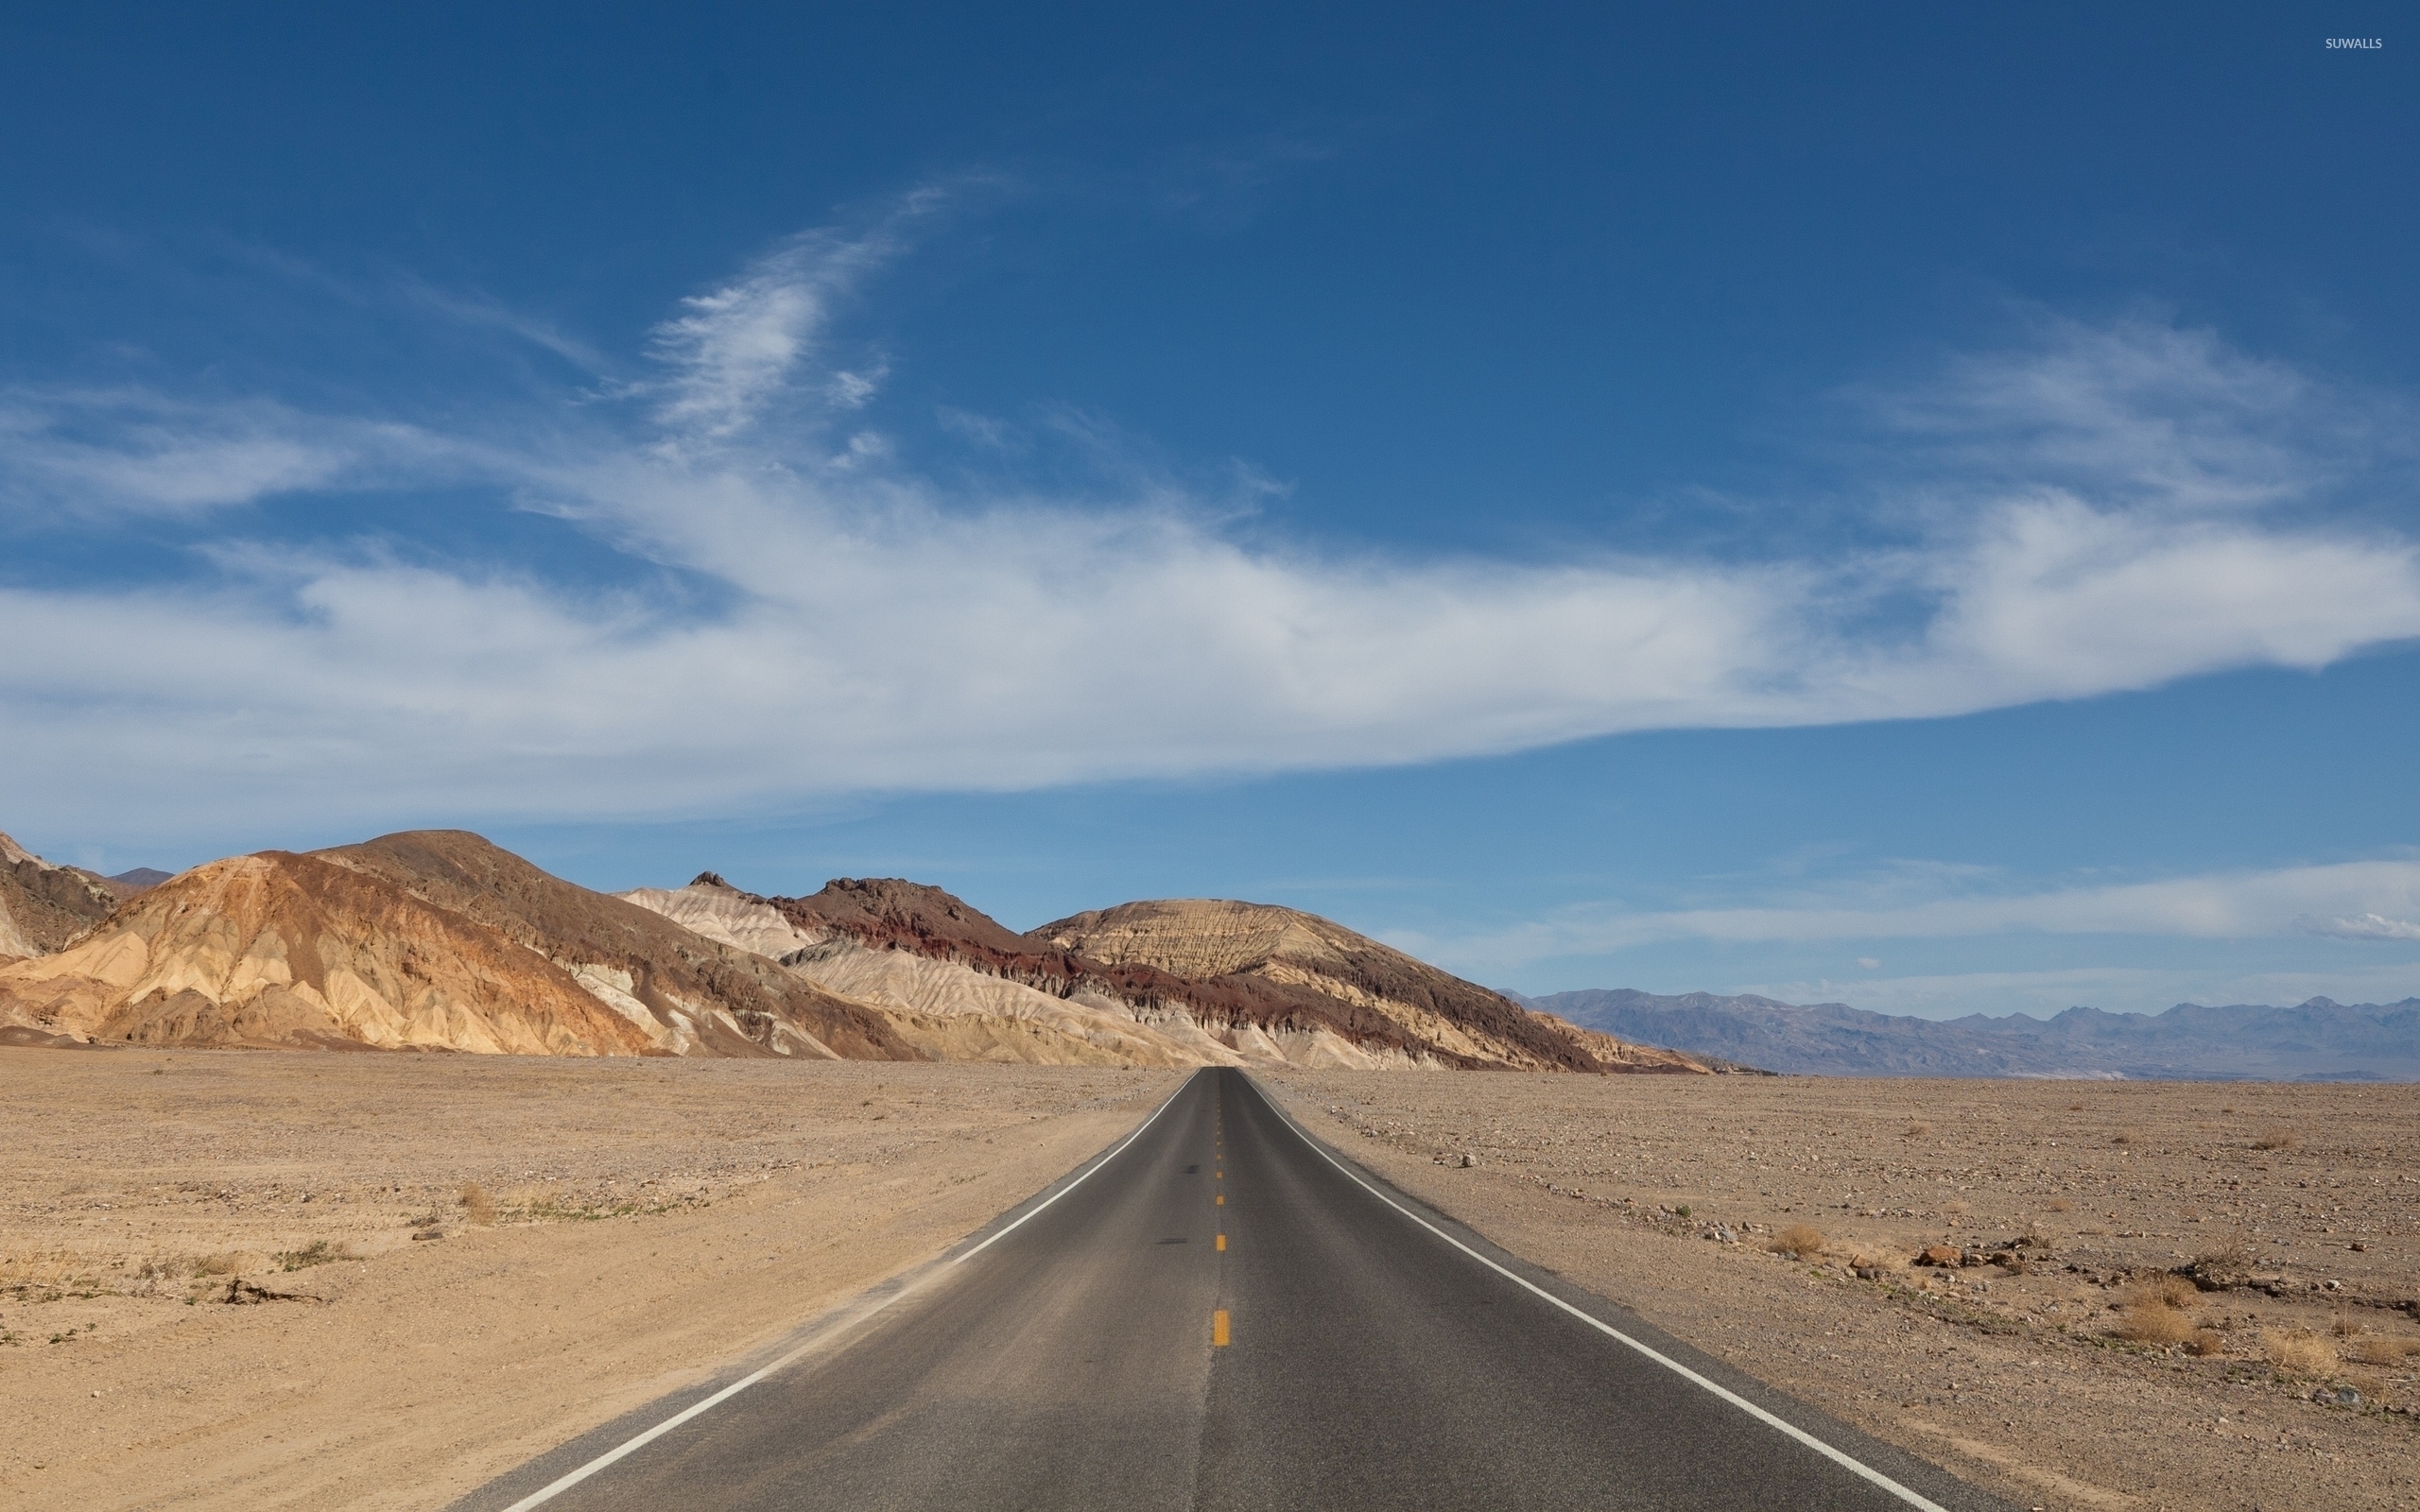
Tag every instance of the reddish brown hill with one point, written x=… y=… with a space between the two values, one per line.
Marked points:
x=1380 y=1001
x=728 y=1001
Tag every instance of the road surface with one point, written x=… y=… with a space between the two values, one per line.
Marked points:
x=1219 y=1314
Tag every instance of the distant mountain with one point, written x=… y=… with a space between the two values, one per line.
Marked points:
x=142 y=879
x=2317 y=1040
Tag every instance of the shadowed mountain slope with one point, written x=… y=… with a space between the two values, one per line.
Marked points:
x=2314 y=1040
x=42 y=906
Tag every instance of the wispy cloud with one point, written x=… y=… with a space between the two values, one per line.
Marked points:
x=2361 y=926
x=858 y=624
x=2227 y=905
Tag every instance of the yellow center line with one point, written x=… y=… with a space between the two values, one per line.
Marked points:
x=1222 y=1243
x=1219 y=1328
x=1222 y=1199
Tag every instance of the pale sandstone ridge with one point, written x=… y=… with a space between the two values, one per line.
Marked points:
x=949 y=1010
x=283 y=950
x=44 y=906
x=1219 y=940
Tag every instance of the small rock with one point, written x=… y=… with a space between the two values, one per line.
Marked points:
x=430 y=1233
x=1469 y=1160
x=1942 y=1255
x=2336 y=1397
x=2358 y=1247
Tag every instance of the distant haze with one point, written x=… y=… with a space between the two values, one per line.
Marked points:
x=2317 y=1040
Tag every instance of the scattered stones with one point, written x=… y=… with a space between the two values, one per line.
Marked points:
x=1941 y=1255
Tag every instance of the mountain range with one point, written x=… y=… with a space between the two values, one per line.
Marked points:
x=441 y=940
x=2317 y=1041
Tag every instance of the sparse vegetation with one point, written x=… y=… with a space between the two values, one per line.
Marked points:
x=2276 y=1139
x=1918 y=1128
x=2061 y=1204
x=2376 y=1348
x=2299 y=1351
x=2153 y=1311
x=1798 y=1239
x=221 y=1265
x=476 y=1205
x=2206 y=1343
x=318 y=1252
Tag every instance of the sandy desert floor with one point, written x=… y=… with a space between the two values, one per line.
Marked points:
x=635 y=1225
x=612 y=1230
x=1772 y=1222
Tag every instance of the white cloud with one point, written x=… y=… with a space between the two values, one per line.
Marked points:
x=2227 y=905
x=2361 y=926
x=861 y=626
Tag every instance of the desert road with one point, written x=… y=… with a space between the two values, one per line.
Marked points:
x=1220 y=1313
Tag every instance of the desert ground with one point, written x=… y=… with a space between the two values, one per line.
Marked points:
x=610 y=1230
x=1772 y=1222
x=630 y=1225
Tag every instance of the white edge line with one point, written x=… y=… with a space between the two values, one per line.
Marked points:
x=1846 y=1461
x=632 y=1446
x=1071 y=1186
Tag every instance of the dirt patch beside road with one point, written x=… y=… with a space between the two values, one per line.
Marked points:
x=2057 y=1357
x=214 y=1290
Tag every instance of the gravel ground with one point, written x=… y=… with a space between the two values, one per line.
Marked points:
x=1775 y=1223
x=212 y=1290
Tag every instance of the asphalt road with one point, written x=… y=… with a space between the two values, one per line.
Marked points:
x=1222 y=1314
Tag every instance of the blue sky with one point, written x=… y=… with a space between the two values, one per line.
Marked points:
x=1916 y=510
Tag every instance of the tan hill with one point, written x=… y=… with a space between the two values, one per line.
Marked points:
x=283 y=950
x=700 y=994
x=44 y=906
x=1224 y=942
x=436 y=940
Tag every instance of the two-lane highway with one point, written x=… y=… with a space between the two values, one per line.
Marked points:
x=1222 y=1314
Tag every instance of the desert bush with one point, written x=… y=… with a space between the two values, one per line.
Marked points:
x=476 y=1205
x=2061 y=1204
x=2378 y=1349
x=2276 y=1139
x=2160 y=1290
x=2298 y=1352
x=1918 y=1129
x=2156 y=1322
x=2122 y=1137
x=1798 y=1239
x=2207 y=1342
x=318 y=1252
x=225 y=1264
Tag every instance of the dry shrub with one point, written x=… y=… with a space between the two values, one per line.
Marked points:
x=476 y=1205
x=2276 y=1139
x=2156 y=1322
x=2122 y=1137
x=2161 y=1291
x=2062 y=1205
x=1918 y=1129
x=2299 y=1351
x=2380 y=1349
x=224 y=1264
x=1798 y=1239
x=2207 y=1342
